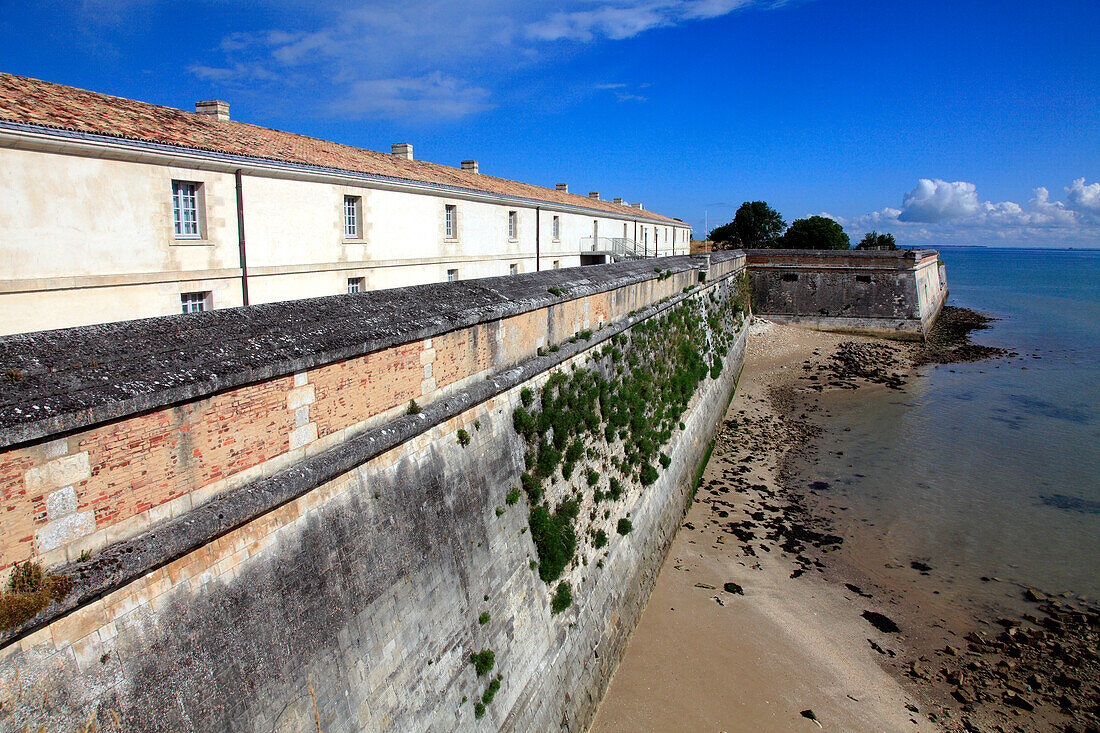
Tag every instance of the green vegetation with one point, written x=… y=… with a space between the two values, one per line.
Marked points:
x=482 y=661
x=615 y=416
x=463 y=437
x=874 y=240
x=755 y=225
x=499 y=510
x=554 y=537
x=29 y=591
x=562 y=598
x=413 y=408
x=816 y=232
x=554 y=291
x=512 y=498
x=491 y=691
x=479 y=709
x=483 y=618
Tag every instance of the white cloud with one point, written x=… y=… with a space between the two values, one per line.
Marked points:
x=1082 y=198
x=432 y=95
x=623 y=92
x=628 y=18
x=934 y=200
x=431 y=51
x=939 y=212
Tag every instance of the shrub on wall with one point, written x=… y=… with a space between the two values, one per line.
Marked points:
x=562 y=599
x=554 y=537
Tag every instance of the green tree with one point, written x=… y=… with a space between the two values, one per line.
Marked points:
x=874 y=240
x=816 y=232
x=755 y=225
x=723 y=236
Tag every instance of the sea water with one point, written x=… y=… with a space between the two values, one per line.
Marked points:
x=989 y=469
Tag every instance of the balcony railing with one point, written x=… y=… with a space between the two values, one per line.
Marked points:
x=619 y=248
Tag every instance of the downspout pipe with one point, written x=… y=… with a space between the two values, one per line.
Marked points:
x=538 y=235
x=240 y=237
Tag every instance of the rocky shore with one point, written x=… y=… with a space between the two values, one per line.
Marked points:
x=760 y=545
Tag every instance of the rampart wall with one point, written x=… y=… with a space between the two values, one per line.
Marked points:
x=262 y=536
x=896 y=294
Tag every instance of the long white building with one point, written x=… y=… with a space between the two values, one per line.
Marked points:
x=113 y=209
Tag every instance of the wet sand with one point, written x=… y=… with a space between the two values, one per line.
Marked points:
x=704 y=658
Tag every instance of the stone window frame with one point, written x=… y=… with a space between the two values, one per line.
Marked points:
x=353 y=216
x=188 y=197
x=450 y=222
x=452 y=275
x=555 y=228
x=513 y=268
x=197 y=301
x=356 y=285
x=513 y=226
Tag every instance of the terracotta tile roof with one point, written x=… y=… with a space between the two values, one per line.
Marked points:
x=35 y=102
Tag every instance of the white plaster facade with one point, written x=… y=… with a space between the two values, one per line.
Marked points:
x=86 y=231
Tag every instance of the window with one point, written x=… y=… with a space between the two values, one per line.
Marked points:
x=595 y=233
x=556 y=229
x=451 y=217
x=195 y=302
x=557 y=264
x=452 y=275
x=513 y=269
x=790 y=277
x=355 y=285
x=863 y=278
x=353 y=205
x=512 y=225
x=624 y=230
x=185 y=208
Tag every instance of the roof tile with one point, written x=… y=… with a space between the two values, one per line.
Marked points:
x=35 y=102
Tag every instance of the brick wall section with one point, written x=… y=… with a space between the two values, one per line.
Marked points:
x=82 y=492
x=352 y=390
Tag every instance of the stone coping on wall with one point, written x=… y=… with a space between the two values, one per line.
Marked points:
x=127 y=561
x=54 y=382
x=901 y=259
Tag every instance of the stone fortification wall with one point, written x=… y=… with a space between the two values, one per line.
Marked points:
x=895 y=294
x=343 y=584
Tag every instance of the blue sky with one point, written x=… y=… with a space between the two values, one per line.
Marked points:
x=943 y=122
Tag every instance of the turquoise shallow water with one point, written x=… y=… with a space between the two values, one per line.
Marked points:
x=990 y=468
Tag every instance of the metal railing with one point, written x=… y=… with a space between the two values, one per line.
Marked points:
x=620 y=248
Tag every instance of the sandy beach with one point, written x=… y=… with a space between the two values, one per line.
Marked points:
x=705 y=659
x=772 y=613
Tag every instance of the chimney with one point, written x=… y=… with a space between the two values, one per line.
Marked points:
x=620 y=202
x=636 y=206
x=469 y=165
x=402 y=150
x=216 y=108
x=594 y=195
x=562 y=187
